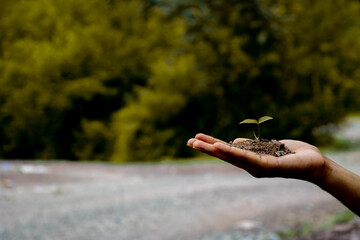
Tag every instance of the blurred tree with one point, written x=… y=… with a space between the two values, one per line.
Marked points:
x=149 y=128
x=132 y=80
x=296 y=61
x=65 y=67
x=318 y=59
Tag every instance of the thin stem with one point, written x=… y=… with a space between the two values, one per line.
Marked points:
x=259 y=131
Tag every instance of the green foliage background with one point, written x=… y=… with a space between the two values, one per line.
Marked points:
x=133 y=80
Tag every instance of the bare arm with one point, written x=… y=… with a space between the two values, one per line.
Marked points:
x=342 y=184
x=308 y=163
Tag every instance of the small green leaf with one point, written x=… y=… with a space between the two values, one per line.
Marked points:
x=249 y=121
x=264 y=118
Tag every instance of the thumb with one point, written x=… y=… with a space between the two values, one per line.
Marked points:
x=240 y=140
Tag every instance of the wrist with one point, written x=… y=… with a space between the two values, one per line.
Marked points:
x=325 y=175
x=321 y=175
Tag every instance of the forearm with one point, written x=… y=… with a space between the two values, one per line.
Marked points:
x=342 y=184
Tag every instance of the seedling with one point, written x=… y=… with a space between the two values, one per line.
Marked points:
x=258 y=122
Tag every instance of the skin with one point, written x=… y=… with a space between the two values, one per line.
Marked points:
x=307 y=163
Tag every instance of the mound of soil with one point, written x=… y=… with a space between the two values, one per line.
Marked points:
x=263 y=146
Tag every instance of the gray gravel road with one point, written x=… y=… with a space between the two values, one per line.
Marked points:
x=203 y=201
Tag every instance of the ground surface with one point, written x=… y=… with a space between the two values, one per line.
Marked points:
x=211 y=201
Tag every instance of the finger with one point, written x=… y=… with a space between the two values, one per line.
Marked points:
x=208 y=149
x=248 y=158
x=240 y=140
x=207 y=144
x=234 y=159
x=207 y=138
x=190 y=142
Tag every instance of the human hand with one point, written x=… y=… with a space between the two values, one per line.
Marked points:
x=307 y=162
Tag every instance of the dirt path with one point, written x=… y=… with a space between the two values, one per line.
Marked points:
x=201 y=201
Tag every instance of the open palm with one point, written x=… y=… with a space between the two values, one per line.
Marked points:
x=306 y=163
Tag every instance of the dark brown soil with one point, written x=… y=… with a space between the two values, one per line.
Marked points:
x=263 y=146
